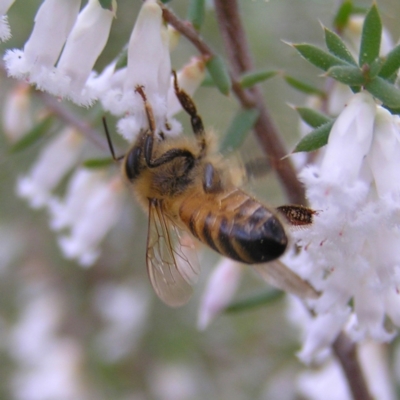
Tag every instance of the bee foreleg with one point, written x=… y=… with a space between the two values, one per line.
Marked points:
x=149 y=110
x=189 y=106
x=167 y=156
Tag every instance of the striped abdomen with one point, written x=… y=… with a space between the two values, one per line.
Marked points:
x=235 y=225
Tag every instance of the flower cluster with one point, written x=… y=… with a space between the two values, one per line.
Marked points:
x=350 y=254
x=64 y=67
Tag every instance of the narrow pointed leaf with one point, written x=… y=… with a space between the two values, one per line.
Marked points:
x=391 y=63
x=387 y=93
x=315 y=139
x=312 y=117
x=33 y=135
x=258 y=300
x=196 y=12
x=238 y=130
x=219 y=73
x=95 y=163
x=352 y=76
x=303 y=87
x=252 y=78
x=318 y=57
x=371 y=37
x=337 y=47
x=208 y=81
x=342 y=16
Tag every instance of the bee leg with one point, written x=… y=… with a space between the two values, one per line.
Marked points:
x=212 y=180
x=149 y=140
x=297 y=215
x=195 y=119
x=147 y=107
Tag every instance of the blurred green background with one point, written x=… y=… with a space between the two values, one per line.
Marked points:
x=100 y=332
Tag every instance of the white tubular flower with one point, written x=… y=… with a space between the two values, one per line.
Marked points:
x=149 y=65
x=17 y=119
x=99 y=211
x=55 y=160
x=83 y=39
x=327 y=382
x=350 y=139
x=351 y=249
x=384 y=155
x=124 y=309
x=5 y=32
x=53 y=23
x=84 y=44
x=219 y=292
x=80 y=189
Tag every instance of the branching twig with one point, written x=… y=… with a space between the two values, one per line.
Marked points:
x=346 y=352
x=240 y=59
x=67 y=116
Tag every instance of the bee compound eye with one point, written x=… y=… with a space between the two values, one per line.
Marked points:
x=132 y=163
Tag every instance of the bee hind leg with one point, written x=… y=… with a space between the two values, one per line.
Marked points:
x=189 y=106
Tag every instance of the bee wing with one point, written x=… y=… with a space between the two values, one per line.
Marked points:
x=279 y=275
x=171 y=260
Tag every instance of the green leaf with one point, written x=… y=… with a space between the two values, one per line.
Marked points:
x=312 y=117
x=122 y=60
x=106 y=4
x=94 y=163
x=252 y=78
x=303 y=87
x=375 y=67
x=318 y=57
x=33 y=135
x=219 y=73
x=337 y=47
x=315 y=139
x=110 y=5
x=371 y=37
x=343 y=15
x=208 y=81
x=258 y=300
x=391 y=63
x=351 y=76
x=384 y=91
x=196 y=12
x=238 y=129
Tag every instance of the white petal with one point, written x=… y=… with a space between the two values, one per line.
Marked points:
x=350 y=140
x=322 y=332
x=384 y=157
x=53 y=23
x=84 y=44
x=221 y=287
x=55 y=160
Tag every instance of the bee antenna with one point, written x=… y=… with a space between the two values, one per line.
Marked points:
x=110 y=145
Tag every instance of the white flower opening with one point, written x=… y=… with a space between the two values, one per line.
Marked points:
x=351 y=251
x=5 y=32
x=58 y=25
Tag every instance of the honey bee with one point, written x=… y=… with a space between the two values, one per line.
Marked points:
x=185 y=188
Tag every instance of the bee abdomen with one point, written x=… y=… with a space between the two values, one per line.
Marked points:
x=237 y=226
